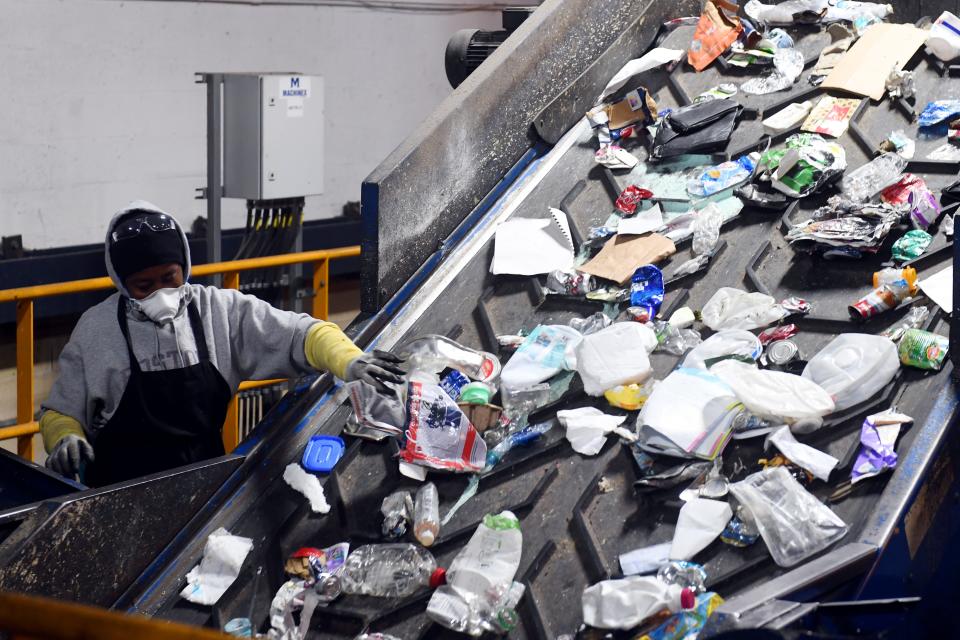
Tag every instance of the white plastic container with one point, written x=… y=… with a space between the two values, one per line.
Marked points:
x=788 y=118
x=944 y=38
x=624 y=604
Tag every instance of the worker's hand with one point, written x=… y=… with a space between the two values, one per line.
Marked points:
x=68 y=454
x=376 y=369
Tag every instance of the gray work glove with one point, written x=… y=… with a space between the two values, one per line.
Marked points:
x=376 y=369
x=68 y=454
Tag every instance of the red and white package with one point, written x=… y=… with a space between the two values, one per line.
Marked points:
x=439 y=435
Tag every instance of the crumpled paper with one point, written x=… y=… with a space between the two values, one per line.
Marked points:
x=878 y=435
x=223 y=555
x=307 y=484
x=587 y=429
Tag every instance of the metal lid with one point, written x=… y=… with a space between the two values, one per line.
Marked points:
x=780 y=352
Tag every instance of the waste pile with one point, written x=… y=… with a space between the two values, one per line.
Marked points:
x=739 y=374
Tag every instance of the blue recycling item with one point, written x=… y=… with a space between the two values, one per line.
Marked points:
x=322 y=453
x=646 y=289
x=938 y=111
x=453 y=383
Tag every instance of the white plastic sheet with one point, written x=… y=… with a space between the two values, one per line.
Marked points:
x=731 y=308
x=699 y=524
x=545 y=353
x=732 y=342
x=587 y=428
x=775 y=395
x=624 y=604
x=614 y=356
x=223 y=555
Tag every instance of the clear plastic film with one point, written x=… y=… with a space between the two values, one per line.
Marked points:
x=864 y=182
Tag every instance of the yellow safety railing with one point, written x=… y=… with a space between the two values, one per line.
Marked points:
x=24 y=297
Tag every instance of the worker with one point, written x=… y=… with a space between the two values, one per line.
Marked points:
x=145 y=380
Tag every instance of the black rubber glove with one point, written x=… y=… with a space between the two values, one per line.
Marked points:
x=376 y=369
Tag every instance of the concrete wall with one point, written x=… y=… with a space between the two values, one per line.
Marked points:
x=100 y=105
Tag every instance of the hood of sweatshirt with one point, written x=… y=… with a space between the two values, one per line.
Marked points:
x=142 y=205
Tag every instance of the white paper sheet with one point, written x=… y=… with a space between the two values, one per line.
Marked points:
x=645 y=559
x=587 y=428
x=817 y=462
x=532 y=246
x=223 y=555
x=939 y=288
x=643 y=222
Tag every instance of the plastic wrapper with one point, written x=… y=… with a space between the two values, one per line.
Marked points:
x=722 y=176
x=541 y=356
x=375 y=410
x=788 y=65
x=924 y=209
x=775 y=395
x=630 y=199
x=685 y=624
x=910 y=245
x=706 y=230
x=787 y=13
x=853 y=367
x=397 y=510
x=592 y=323
x=755 y=197
x=913 y=320
x=923 y=349
x=439 y=435
x=731 y=308
x=777 y=333
x=646 y=289
x=793 y=523
x=947 y=152
x=717 y=28
x=947 y=225
x=808 y=163
x=878 y=438
x=870 y=179
x=730 y=343
x=937 y=111
x=573 y=283
x=719 y=92
x=739 y=533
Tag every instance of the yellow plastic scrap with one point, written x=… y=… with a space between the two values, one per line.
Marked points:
x=630 y=397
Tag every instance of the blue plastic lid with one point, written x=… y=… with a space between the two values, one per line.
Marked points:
x=322 y=453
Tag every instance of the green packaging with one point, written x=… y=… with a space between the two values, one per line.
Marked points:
x=911 y=245
x=923 y=349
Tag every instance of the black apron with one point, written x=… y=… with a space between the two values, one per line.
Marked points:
x=165 y=418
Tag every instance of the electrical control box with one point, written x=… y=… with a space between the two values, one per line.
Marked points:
x=272 y=136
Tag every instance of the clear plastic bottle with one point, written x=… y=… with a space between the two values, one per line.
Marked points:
x=426 y=514
x=687 y=575
x=390 y=570
x=870 y=179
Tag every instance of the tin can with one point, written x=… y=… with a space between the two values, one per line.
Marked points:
x=923 y=349
x=883 y=298
x=782 y=352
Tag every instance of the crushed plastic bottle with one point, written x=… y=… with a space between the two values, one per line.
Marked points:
x=434 y=353
x=426 y=515
x=686 y=575
x=867 y=181
x=706 y=230
x=522 y=437
x=390 y=570
x=397 y=509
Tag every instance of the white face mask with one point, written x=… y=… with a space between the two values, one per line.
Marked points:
x=163 y=305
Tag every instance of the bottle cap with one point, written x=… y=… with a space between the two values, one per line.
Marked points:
x=688 y=599
x=438 y=577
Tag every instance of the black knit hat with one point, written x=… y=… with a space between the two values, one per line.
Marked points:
x=146 y=249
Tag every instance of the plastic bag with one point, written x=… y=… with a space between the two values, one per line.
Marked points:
x=722 y=176
x=439 y=435
x=853 y=367
x=910 y=245
x=775 y=395
x=870 y=179
x=937 y=111
x=706 y=230
x=737 y=343
x=571 y=283
x=376 y=410
x=542 y=355
x=793 y=523
x=731 y=308
x=788 y=65
x=614 y=356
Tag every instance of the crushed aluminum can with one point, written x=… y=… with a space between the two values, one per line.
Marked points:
x=777 y=333
x=630 y=199
x=793 y=305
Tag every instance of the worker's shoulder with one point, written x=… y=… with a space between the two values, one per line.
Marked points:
x=99 y=317
x=209 y=297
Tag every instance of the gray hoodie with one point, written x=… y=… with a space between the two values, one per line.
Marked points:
x=248 y=339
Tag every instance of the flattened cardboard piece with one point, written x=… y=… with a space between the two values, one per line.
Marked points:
x=636 y=106
x=621 y=256
x=863 y=70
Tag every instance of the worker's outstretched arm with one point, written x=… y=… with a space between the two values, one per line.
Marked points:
x=327 y=347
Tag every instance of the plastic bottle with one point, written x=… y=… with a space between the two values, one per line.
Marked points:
x=870 y=179
x=390 y=570
x=892 y=274
x=426 y=514
x=624 y=604
x=397 y=509
x=687 y=575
